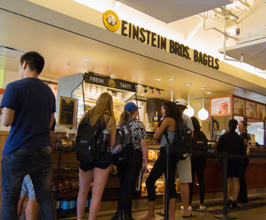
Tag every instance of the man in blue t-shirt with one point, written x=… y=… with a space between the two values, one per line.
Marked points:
x=28 y=106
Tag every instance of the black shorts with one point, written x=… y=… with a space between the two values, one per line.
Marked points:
x=104 y=161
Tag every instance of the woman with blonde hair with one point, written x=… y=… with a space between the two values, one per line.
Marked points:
x=98 y=171
x=129 y=171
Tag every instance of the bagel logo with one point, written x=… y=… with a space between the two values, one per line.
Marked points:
x=111 y=20
x=111 y=83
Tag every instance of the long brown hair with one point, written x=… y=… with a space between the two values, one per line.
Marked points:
x=124 y=117
x=104 y=105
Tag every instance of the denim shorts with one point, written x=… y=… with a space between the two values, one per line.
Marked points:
x=104 y=161
x=27 y=187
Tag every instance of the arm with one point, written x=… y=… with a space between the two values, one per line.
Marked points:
x=144 y=148
x=161 y=129
x=112 y=131
x=7 y=116
x=51 y=120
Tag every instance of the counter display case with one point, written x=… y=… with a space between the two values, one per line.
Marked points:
x=87 y=87
x=153 y=152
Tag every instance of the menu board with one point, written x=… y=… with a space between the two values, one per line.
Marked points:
x=239 y=106
x=220 y=106
x=67 y=111
x=250 y=109
x=261 y=112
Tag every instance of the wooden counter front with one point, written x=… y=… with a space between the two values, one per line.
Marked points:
x=255 y=176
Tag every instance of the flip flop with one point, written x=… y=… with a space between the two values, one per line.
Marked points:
x=160 y=213
x=189 y=216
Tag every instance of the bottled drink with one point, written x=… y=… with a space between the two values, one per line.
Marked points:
x=72 y=205
x=87 y=205
x=65 y=207
x=58 y=205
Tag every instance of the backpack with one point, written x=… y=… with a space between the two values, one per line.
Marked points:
x=199 y=143
x=123 y=149
x=181 y=143
x=89 y=140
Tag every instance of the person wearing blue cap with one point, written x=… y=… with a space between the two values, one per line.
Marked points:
x=128 y=173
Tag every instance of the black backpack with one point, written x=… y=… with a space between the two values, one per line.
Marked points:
x=123 y=149
x=181 y=143
x=89 y=140
x=200 y=144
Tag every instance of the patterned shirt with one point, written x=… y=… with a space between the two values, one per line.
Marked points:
x=138 y=133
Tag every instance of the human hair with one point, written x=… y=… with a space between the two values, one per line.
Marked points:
x=245 y=125
x=124 y=117
x=34 y=60
x=104 y=105
x=195 y=123
x=172 y=111
x=232 y=124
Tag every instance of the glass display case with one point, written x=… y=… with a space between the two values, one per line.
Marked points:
x=153 y=152
x=87 y=87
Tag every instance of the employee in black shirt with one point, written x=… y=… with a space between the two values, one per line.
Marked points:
x=243 y=196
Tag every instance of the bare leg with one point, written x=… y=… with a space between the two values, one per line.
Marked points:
x=32 y=209
x=20 y=204
x=184 y=191
x=150 y=215
x=172 y=203
x=236 y=188
x=229 y=188
x=100 y=178
x=85 y=180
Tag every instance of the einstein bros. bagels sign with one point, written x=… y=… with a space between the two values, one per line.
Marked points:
x=112 y=23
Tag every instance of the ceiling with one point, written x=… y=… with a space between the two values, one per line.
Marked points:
x=173 y=10
x=65 y=49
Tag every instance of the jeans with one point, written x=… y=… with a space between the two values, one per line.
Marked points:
x=37 y=162
x=128 y=175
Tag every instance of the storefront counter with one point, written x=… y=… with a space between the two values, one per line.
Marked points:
x=255 y=174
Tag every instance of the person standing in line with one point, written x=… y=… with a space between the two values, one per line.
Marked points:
x=198 y=164
x=243 y=195
x=184 y=166
x=97 y=172
x=128 y=173
x=32 y=208
x=171 y=115
x=28 y=105
x=232 y=143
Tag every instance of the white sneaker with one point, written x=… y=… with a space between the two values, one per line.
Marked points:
x=202 y=207
x=189 y=207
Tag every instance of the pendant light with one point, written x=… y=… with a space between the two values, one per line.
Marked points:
x=203 y=114
x=189 y=111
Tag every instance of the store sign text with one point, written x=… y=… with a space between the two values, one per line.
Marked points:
x=150 y=38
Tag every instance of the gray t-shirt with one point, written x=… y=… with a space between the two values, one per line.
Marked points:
x=188 y=122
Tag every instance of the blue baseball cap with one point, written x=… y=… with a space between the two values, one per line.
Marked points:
x=130 y=106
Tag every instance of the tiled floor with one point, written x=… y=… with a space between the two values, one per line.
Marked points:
x=252 y=210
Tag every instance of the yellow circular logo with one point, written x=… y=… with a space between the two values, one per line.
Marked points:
x=111 y=20
x=111 y=83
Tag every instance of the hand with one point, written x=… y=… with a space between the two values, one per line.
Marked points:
x=144 y=167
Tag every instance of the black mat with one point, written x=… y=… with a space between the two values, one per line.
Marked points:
x=217 y=208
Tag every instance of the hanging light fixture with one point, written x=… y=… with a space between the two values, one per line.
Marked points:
x=152 y=90
x=189 y=111
x=203 y=114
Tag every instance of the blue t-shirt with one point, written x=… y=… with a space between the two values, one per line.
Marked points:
x=33 y=102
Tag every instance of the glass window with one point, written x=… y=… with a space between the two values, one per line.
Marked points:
x=256 y=128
